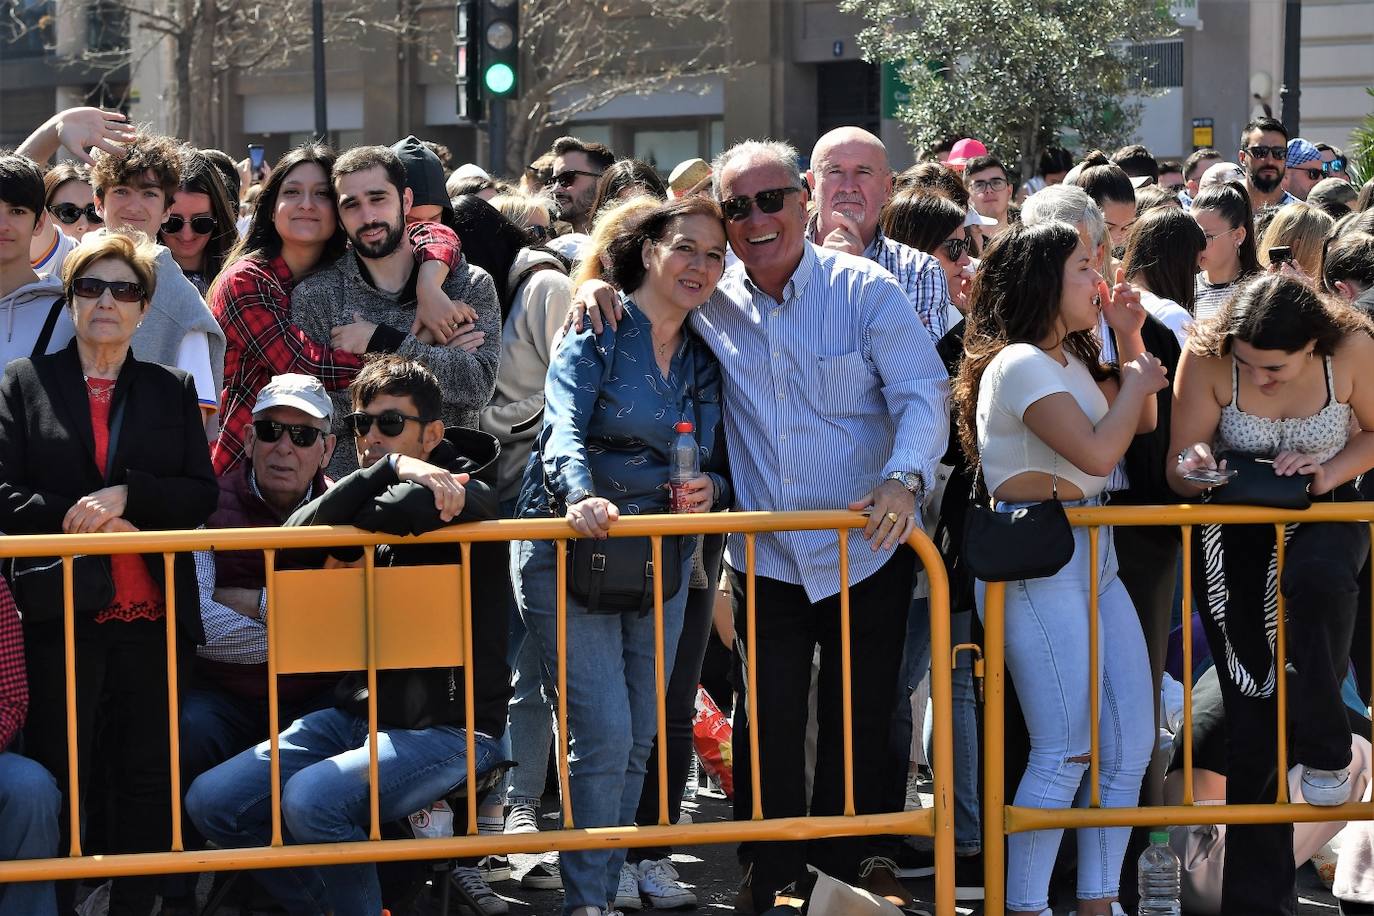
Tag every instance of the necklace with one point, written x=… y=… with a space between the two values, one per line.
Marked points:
x=100 y=394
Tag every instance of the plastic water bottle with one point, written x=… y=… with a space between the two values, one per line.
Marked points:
x=1159 y=878
x=684 y=464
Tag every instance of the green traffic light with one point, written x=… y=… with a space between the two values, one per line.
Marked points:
x=499 y=78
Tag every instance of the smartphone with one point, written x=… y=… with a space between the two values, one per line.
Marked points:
x=255 y=156
x=1280 y=253
x=1209 y=477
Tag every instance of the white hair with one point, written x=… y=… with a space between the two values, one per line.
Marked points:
x=777 y=151
x=1065 y=203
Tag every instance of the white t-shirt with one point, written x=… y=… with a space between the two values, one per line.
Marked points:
x=50 y=263
x=1173 y=315
x=193 y=357
x=1016 y=378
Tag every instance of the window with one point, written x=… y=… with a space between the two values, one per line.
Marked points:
x=1156 y=64
x=847 y=96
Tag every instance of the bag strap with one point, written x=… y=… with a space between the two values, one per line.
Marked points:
x=594 y=586
x=40 y=346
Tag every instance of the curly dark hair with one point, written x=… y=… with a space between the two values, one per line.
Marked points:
x=1278 y=312
x=145 y=152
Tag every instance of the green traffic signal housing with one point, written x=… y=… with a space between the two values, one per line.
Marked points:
x=500 y=61
x=499 y=79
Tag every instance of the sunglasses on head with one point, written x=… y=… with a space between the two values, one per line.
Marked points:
x=68 y=214
x=1335 y=165
x=301 y=434
x=200 y=225
x=121 y=290
x=1268 y=152
x=568 y=177
x=389 y=422
x=955 y=248
x=770 y=201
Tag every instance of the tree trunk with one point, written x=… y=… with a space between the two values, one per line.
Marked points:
x=201 y=73
x=181 y=78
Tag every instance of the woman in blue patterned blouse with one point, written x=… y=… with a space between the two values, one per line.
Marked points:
x=611 y=402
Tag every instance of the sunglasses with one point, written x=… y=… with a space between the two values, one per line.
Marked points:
x=770 y=201
x=992 y=184
x=568 y=177
x=1175 y=188
x=537 y=234
x=121 y=290
x=389 y=422
x=1335 y=165
x=955 y=248
x=68 y=214
x=200 y=225
x=1268 y=152
x=301 y=434
x=1312 y=174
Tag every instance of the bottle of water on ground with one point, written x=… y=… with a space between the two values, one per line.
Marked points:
x=1159 y=878
x=684 y=464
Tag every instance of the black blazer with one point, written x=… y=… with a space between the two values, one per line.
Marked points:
x=1148 y=455
x=47 y=456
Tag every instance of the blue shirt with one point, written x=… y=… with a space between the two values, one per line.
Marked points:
x=825 y=393
x=609 y=415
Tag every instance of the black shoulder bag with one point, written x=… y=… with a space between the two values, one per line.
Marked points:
x=1256 y=484
x=1032 y=542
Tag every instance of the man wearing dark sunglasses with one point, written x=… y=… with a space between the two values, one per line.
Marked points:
x=1303 y=168
x=1264 y=157
x=29 y=303
x=1334 y=162
x=577 y=165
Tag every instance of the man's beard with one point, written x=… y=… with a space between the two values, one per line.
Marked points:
x=1265 y=184
x=386 y=246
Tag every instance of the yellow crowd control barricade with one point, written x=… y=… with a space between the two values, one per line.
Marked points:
x=369 y=619
x=1004 y=819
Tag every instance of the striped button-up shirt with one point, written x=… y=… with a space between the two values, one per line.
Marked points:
x=826 y=392
x=920 y=275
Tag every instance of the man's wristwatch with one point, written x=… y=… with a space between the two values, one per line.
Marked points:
x=912 y=480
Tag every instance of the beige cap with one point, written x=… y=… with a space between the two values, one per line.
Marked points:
x=688 y=174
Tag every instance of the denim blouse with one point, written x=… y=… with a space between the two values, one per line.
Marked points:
x=608 y=420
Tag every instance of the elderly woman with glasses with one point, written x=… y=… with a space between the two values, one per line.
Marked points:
x=92 y=439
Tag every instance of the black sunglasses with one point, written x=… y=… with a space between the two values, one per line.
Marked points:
x=68 y=214
x=770 y=201
x=200 y=225
x=121 y=290
x=301 y=434
x=955 y=248
x=1335 y=165
x=568 y=177
x=1268 y=152
x=1312 y=174
x=537 y=234
x=389 y=422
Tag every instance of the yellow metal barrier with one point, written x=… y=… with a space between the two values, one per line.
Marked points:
x=1014 y=819
x=367 y=619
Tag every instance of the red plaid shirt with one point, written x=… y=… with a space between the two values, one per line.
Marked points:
x=252 y=303
x=14 y=685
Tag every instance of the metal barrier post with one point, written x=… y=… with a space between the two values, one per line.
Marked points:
x=994 y=748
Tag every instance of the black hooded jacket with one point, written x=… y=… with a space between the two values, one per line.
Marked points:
x=374 y=499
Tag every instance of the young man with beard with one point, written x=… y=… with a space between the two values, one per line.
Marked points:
x=1263 y=155
x=577 y=166
x=357 y=303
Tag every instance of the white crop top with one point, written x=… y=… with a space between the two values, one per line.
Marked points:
x=1016 y=378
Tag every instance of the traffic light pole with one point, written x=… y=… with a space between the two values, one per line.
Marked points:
x=496 y=137
x=317 y=46
x=1292 y=66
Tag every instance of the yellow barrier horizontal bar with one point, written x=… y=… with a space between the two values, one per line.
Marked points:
x=1187 y=514
x=920 y=823
x=1020 y=820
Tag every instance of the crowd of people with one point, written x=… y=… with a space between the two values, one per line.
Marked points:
x=365 y=337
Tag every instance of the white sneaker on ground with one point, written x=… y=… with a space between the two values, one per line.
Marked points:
x=660 y=882
x=522 y=818
x=627 y=891
x=913 y=792
x=488 y=901
x=1325 y=788
x=545 y=875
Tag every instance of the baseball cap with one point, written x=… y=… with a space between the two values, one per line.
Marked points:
x=303 y=392
x=1220 y=173
x=1301 y=152
x=470 y=170
x=424 y=173
x=973 y=218
x=964 y=150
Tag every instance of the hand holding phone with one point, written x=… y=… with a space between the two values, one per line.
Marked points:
x=1209 y=477
x=1279 y=254
x=256 y=158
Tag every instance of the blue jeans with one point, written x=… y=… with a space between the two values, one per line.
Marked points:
x=29 y=806
x=1047 y=656
x=612 y=711
x=324 y=799
x=968 y=824
x=529 y=718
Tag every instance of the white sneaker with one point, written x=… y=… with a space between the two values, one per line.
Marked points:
x=913 y=792
x=522 y=819
x=1325 y=788
x=627 y=891
x=660 y=882
x=488 y=901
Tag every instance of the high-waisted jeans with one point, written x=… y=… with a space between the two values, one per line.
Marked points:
x=1047 y=657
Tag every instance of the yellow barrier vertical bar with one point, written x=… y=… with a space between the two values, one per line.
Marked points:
x=273 y=714
x=660 y=700
x=1094 y=677
x=1370 y=610
x=563 y=776
x=752 y=675
x=941 y=695
x=1187 y=664
x=994 y=764
x=173 y=713
x=846 y=674
x=1280 y=664
x=69 y=638
x=370 y=606
x=469 y=701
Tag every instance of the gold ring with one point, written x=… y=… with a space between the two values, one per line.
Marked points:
x=892 y=517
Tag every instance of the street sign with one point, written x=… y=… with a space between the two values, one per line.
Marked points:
x=895 y=91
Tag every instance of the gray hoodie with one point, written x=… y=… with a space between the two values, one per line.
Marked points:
x=25 y=311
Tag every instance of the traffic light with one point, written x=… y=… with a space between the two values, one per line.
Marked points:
x=500 y=52
x=468 y=39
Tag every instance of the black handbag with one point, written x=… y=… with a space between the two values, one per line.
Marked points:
x=1256 y=484
x=1032 y=542
x=616 y=575
x=37 y=586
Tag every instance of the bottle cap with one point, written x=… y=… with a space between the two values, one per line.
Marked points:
x=1159 y=836
x=683 y=426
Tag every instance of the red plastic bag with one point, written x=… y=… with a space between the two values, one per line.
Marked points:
x=712 y=736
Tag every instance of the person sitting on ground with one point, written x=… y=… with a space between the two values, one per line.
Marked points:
x=414 y=476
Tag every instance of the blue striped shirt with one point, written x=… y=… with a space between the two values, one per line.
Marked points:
x=825 y=393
